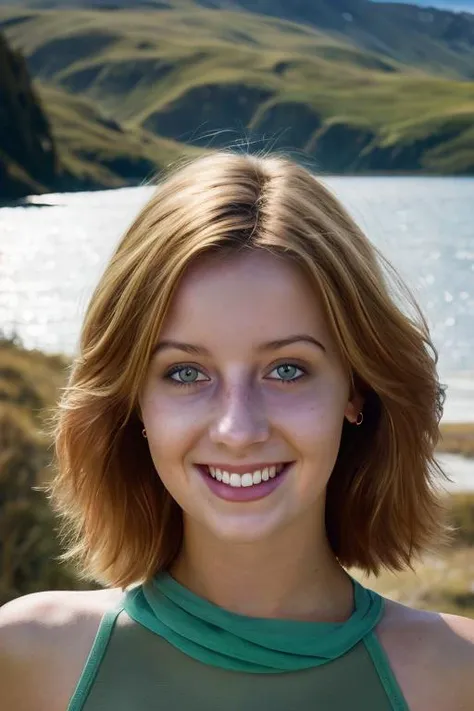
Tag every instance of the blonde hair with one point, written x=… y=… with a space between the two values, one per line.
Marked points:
x=382 y=506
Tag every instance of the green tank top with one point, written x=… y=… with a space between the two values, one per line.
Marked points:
x=165 y=648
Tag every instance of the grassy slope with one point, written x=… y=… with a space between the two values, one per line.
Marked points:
x=29 y=383
x=434 y=40
x=95 y=150
x=439 y=41
x=158 y=71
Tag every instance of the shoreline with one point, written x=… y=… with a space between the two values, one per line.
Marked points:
x=40 y=199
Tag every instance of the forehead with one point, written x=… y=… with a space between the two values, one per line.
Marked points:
x=250 y=296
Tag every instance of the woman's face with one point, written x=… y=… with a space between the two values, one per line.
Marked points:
x=230 y=402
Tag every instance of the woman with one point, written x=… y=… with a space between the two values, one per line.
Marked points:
x=249 y=416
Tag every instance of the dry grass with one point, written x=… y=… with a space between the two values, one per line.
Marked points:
x=457 y=438
x=29 y=388
x=444 y=583
x=444 y=579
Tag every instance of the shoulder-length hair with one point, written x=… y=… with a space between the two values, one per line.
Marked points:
x=383 y=506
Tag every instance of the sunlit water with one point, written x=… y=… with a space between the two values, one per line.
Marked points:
x=53 y=252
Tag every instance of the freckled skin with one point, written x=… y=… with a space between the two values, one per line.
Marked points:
x=238 y=410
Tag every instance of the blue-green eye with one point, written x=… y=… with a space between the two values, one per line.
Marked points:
x=286 y=372
x=189 y=374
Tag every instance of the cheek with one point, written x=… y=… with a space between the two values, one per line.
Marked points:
x=170 y=426
x=316 y=429
x=314 y=417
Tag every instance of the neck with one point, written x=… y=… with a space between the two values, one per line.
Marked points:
x=285 y=576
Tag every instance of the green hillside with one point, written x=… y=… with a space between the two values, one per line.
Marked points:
x=98 y=152
x=188 y=75
x=436 y=40
x=74 y=146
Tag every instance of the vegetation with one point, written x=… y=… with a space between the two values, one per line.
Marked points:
x=458 y=438
x=30 y=383
x=443 y=582
x=128 y=91
x=75 y=147
x=97 y=152
x=435 y=40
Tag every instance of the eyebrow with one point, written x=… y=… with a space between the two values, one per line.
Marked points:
x=269 y=346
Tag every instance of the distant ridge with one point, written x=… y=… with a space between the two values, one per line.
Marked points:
x=126 y=92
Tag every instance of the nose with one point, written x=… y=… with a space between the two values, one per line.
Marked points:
x=241 y=420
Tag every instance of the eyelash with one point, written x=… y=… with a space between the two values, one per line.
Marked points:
x=178 y=368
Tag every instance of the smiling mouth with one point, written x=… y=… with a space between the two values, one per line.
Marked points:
x=248 y=479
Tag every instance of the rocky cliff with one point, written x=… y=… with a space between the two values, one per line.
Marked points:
x=28 y=161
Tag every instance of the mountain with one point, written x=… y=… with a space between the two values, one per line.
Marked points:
x=433 y=39
x=69 y=146
x=128 y=91
x=452 y=5
x=97 y=151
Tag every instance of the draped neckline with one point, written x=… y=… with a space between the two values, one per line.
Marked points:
x=216 y=636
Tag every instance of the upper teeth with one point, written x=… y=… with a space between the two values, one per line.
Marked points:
x=247 y=479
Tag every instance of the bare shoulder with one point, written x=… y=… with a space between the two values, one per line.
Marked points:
x=46 y=637
x=432 y=656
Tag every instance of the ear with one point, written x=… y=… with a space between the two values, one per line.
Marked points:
x=354 y=406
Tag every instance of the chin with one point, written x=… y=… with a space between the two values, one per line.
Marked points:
x=242 y=529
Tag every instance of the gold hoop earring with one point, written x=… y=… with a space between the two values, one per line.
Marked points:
x=359 y=422
x=144 y=433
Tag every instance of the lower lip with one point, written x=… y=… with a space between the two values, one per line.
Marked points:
x=243 y=493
